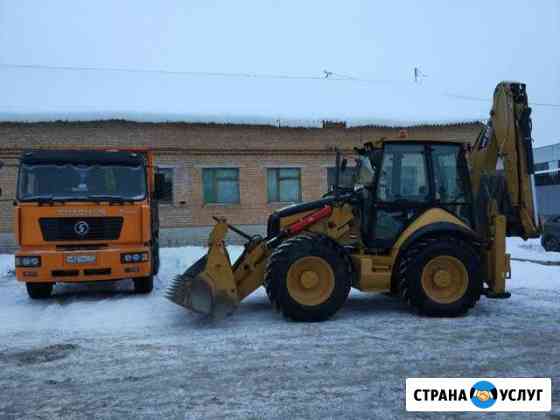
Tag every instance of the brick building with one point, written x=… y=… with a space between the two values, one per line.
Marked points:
x=240 y=171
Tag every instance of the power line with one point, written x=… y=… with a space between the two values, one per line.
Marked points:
x=474 y=98
x=326 y=76
x=168 y=72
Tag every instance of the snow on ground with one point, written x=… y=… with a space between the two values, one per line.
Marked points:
x=101 y=351
x=530 y=249
x=528 y=275
x=107 y=307
x=113 y=307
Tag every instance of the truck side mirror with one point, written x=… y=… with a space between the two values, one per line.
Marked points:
x=159 y=186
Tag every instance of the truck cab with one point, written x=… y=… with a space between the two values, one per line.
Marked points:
x=84 y=216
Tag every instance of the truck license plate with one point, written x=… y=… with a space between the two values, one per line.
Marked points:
x=80 y=259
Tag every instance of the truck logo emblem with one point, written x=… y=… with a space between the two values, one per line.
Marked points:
x=81 y=228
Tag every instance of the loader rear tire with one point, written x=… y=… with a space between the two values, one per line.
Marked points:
x=440 y=276
x=308 y=277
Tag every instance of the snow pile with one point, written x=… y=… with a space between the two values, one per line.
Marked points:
x=245 y=100
x=107 y=307
x=111 y=307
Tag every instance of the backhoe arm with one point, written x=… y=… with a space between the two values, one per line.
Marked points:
x=505 y=204
x=507 y=136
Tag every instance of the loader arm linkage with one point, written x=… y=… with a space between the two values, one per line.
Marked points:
x=213 y=286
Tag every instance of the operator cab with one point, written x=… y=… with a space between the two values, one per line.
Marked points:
x=400 y=180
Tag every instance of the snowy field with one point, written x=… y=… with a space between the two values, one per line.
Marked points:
x=99 y=351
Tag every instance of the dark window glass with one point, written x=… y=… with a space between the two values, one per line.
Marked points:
x=449 y=184
x=167 y=193
x=549 y=178
x=346 y=178
x=403 y=174
x=284 y=185
x=390 y=223
x=542 y=166
x=220 y=185
x=88 y=182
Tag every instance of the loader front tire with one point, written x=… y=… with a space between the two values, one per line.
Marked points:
x=440 y=276
x=308 y=277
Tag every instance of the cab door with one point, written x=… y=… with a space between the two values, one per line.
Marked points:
x=403 y=191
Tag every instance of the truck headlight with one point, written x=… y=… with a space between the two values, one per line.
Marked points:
x=134 y=257
x=28 y=261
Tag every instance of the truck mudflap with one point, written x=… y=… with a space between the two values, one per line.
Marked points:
x=208 y=286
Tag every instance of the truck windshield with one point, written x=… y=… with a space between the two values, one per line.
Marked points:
x=81 y=182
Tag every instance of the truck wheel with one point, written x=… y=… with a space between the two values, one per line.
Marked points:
x=155 y=257
x=440 y=276
x=308 y=277
x=144 y=284
x=39 y=290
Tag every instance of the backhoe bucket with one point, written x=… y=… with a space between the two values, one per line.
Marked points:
x=208 y=286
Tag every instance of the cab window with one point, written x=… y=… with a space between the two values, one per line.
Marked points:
x=403 y=174
x=448 y=176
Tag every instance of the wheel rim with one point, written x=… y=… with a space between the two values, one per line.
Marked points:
x=445 y=279
x=310 y=281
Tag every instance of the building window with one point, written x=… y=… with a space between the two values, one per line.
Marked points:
x=167 y=193
x=542 y=166
x=346 y=178
x=221 y=185
x=547 y=178
x=284 y=185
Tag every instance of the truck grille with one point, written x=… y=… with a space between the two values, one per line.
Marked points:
x=81 y=228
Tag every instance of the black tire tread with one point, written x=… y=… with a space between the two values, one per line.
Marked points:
x=407 y=262
x=143 y=285
x=39 y=290
x=297 y=247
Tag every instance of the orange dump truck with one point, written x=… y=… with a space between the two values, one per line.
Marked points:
x=86 y=215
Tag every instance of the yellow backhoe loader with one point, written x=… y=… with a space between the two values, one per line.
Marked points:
x=426 y=220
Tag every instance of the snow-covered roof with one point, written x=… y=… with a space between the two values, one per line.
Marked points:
x=248 y=100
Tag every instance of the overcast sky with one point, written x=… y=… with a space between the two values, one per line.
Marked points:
x=462 y=47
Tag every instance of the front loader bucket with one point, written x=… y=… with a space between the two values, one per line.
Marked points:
x=208 y=286
x=190 y=290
